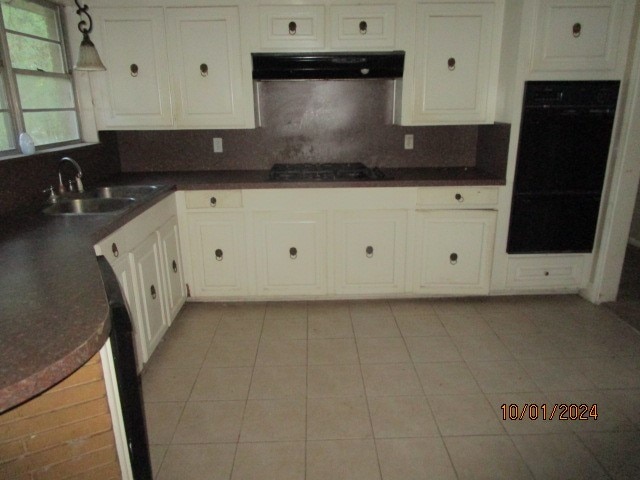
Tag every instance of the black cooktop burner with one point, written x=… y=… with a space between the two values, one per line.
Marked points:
x=323 y=172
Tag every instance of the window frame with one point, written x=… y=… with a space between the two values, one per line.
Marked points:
x=9 y=76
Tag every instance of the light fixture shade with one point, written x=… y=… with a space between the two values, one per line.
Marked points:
x=88 y=58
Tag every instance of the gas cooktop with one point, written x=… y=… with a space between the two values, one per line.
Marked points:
x=323 y=172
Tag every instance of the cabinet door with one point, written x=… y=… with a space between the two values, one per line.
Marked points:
x=291 y=27
x=573 y=35
x=454 y=251
x=363 y=26
x=150 y=293
x=453 y=62
x=370 y=251
x=204 y=48
x=134 y=91
x=291 y=253
x=175 y=291
x=218 y=260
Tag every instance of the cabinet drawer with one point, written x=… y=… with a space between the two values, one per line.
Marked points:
x=291 y=27
x=457 y=197
x=213 y=198
x=550 y=271
x=574 y=35
x=363 y=26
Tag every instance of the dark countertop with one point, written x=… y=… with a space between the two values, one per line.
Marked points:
x=54 y=315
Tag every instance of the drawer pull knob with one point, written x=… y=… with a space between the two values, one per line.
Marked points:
x=451 y=63
x=293 y=28
x=577 y=30
x=153 y=292
x=546 y=274
x=204 y=69
x=369 y=251
x=114 y=250
x=293 y=253
x=453 y=258
x=459 y=198
x=213 y=201
x=133 y=68
x=174 y=265
x=363 y=27
x=219 y=254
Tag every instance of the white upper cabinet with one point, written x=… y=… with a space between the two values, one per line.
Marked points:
x=456 y=59
x=204 y=48
x=578 y=35
x=134 y=90
x=363 y=26
x=174 y=67
x=292 y=27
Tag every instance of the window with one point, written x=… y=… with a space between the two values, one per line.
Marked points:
x=37 y=94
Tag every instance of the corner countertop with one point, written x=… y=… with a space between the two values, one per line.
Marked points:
x=54 y=315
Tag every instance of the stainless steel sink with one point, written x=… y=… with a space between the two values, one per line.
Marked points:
x=88 y=206
x=124 y=191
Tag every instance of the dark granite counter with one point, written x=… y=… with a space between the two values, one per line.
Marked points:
x=54 y=314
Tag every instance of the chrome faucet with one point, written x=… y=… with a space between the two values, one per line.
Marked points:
x=78 y=178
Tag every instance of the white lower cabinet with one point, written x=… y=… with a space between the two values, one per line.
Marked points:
x=290 y=250
x=175 y=293
x=454 y=251
x=218 y=259
x=370 y=251
x=150 y=302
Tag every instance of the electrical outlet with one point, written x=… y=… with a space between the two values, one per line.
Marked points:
x=217 y=145
x=408 y=141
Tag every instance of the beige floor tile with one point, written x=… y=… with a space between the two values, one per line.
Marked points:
x=168 y=384
x=383 y=350
x=279 y=310
x=458 y=306
x=209 y=422
x=593 y=411
x=395 y=417
x=618 y=452
x=486 y=457
x=420 y=326
x=558 y=456
x=391 y=379
x=282 y=352
x=329 y=325
x=432 y=349
x=338 y=418
x=446 y=378
x=332 y=351
x=468 y=414
x=198 y=462
x=208 y=311
x=156 y=454
x=628 y=402
x=598 y=371
x=278 y=382
x=189 y=330
x=482 y=348
x=502 y=377
x=284 y=327
x=533 y=346
x=269 y=460
x=170 y=354
x=231 y=352
x=162 y=419
x=334 y=381
x=465 y=325
x=246 y=310
x=414 y=458
x=536 y=419
x=557 y=374
x=239 y=328
x=411 y=307
x=342 y=459
x=222 y=384
x=512 y=324
x=363 y=309
x=274 y=420
x=375 y=326
x=328 y=309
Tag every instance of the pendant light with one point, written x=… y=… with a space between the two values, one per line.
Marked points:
x=88 y=58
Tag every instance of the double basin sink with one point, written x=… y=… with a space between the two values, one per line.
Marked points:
x=102 y=200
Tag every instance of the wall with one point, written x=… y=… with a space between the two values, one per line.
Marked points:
x=23 y=178
x=65 y=432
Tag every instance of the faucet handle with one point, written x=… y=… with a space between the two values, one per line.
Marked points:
x=53 y=198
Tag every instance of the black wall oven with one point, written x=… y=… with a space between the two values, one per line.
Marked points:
x=565 y=136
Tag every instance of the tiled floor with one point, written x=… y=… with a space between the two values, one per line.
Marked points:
x=395 y=390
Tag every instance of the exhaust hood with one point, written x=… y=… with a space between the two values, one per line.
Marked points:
x=327 y=65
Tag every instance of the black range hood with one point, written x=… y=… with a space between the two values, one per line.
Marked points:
x=327 y=65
